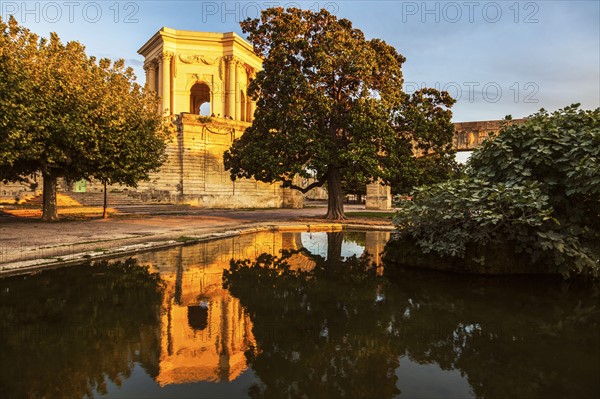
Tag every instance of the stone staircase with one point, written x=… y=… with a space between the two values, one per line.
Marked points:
x=65 y=199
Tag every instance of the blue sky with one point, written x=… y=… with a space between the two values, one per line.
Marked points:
x=497 y=58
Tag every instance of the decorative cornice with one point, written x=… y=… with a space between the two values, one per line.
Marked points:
x=198 y=59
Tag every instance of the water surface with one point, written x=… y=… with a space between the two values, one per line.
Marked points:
x=295 y=315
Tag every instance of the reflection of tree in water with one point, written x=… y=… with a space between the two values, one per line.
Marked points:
x=319 y=333
x=68 y=332
x=357 y=237
x=338 y=330
x=526 y=336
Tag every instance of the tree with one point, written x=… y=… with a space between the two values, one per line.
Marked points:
x=137 y=143
x=65 y=115
x=424 y=121
x=531 y=194
x=354 y=185
x=329 y=102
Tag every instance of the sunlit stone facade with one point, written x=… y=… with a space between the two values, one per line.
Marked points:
x=202 y=80
x=188 y=69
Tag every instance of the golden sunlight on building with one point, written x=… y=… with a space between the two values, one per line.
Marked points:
x=189 y=69
x=204 y=330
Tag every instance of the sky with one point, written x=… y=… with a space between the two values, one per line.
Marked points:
x=496 y=58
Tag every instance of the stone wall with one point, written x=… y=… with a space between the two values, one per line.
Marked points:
x=194 y=173
x=379 y=197
x=469 y=135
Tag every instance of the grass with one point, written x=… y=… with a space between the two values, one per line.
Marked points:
x=186 y=239
x=371 y=215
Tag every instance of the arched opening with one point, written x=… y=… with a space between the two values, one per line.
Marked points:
x=243 y=106
x=200 y=99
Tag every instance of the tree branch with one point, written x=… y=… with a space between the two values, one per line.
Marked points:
x=304 y=190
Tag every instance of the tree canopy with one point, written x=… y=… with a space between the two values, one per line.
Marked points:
x=533 y=190
x=330 y=103
x=66 y=114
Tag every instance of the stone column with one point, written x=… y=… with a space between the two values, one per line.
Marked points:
x=151 y=76
x=379 y=197
x=147 y=71
x=164 y=83
x=230 y=86
x=238 y=98
x=159 y=89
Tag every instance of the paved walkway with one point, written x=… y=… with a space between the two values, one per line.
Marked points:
x=29 y=244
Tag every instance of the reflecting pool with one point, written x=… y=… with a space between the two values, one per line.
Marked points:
x=293 y=314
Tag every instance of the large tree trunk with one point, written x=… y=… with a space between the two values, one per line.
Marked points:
x=49 y=208
x=104 y=213
x=335 y=199
x=334 y=247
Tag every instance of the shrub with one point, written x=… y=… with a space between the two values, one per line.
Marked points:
x=535 y=187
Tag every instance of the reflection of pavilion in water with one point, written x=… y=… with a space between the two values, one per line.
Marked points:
x=204 y=330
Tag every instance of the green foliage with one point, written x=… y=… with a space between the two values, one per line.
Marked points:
x=535 y=186
x=450 y=217
x=131 y=135
x=314 y=323
x=430 y=169
x=340 y=330
x=561 y=151
x=355 y=184
x=331 y=102
x=65 y=114
x=423 y=121
x=72 y=331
